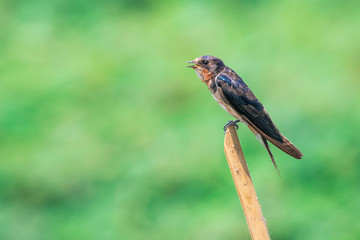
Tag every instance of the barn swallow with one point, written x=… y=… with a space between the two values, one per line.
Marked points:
x=234 y=96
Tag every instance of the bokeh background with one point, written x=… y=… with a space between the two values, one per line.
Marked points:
x=105 y=134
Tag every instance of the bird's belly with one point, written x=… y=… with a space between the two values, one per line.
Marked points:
x=227 y=107
x=230 y=110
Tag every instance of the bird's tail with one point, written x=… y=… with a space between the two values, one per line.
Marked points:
x=271 y=156
x=287 y=147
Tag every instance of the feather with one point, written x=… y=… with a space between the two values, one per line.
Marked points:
x=240 y=98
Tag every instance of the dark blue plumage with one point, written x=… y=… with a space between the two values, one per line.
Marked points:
x=231 y=92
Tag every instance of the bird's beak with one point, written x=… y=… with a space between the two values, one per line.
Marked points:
x=191 y=66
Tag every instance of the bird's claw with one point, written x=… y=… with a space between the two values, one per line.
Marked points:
x=231 y=123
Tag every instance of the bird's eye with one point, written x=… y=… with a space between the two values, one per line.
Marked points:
x=205 y=61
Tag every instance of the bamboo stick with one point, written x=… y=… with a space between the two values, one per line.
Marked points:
x=244 y=186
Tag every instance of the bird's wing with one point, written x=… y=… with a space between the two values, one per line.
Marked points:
x=246 y=104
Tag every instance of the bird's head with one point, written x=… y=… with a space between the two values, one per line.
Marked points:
x=206 y=66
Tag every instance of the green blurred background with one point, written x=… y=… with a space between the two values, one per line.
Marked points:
x=105 y=134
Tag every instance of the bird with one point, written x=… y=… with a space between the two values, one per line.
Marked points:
x=235 y=97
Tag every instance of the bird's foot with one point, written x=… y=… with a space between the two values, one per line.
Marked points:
x=231 y=123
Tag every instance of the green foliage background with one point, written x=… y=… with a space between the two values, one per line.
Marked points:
x=105 y=134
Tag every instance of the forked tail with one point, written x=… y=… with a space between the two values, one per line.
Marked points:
x=287 y=147
x=271 y=156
